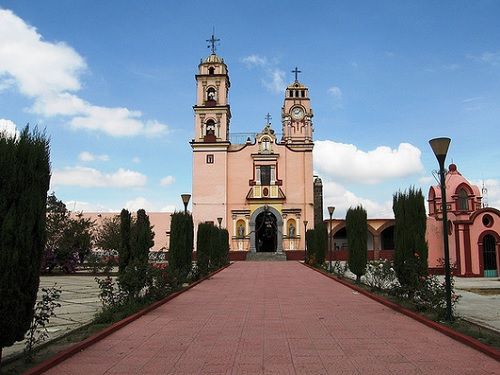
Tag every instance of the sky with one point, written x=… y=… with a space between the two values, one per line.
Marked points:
x=112 y=83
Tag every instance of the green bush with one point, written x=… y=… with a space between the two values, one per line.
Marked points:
x=24 y=181
x=320 y=243
x=181 y=243
x=357 y=230
x=410 y=257
x=203 y=248
x=311 y=247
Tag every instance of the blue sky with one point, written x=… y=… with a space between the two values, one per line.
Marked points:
x=113 y=84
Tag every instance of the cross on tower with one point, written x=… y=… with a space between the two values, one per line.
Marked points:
x=213 y=41
x=268 y=119
x=296 y=71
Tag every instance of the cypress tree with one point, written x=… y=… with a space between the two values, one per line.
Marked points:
x=24 y=182
x=320 y=242
x=411 y=251
x=142 y=238
x=124 y=250
x=357 y=231
x=311 y=246
x=181 y=243
x=224 y=247
x=203 y=247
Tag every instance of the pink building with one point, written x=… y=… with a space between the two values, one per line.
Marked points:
x=260 y=185
x=473 y=230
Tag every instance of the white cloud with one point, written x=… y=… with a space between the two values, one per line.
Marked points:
x=427 y=181
x=275 y=81
x=138 y=203
x=168 y=180
x=343 y=199
x=79 y=206
x=274 y=78
x=347 y=162
x=50 y=74
x=136 y=160
x=336 y=94
x=254 y=60
x=492 y=197
x=88 y=156
x=492 y=58
x=169 y=208
x=8 y=128
x=90 y=177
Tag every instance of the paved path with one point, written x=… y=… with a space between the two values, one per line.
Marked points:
x=276 y=318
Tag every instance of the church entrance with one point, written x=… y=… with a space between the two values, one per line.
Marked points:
x=266 y=230
x=489 y=256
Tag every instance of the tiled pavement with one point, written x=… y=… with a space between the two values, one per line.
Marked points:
x=276 y=318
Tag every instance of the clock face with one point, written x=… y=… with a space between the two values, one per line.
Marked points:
x=297 y=113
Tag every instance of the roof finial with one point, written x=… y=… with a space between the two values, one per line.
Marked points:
x=213 y=42
x=268 y=119
x=296 y=71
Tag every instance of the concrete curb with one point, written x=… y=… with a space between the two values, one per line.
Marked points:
x=469 y=341
x=78 y=347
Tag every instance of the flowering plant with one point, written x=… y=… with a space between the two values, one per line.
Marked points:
x=380 y=274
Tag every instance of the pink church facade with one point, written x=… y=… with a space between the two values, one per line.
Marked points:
x=473 y=230
x=261 y=186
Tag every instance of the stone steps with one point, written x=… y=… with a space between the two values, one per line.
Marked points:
x=266 y=257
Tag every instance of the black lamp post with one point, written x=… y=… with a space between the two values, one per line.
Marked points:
x=305 y=242
x=219 y=220
x=185 y=200
x=330 y=239
x=440 y=148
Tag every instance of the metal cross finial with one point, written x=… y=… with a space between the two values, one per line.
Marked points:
x=268 y=119
x=296 y=71
x=213 y=41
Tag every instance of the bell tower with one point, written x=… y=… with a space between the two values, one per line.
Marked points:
x=211 y=139
x=296 y=115
x=212 y=111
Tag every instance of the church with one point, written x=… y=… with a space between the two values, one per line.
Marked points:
x=259 y=187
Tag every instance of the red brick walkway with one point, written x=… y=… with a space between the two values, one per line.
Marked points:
x=276 y=318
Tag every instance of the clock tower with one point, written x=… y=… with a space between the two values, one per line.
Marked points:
x=296 y=115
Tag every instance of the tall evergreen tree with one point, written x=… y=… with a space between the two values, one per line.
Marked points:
x=181 y=243
x=124 y=250
x=203 y=247
x=142 y=238
x=411 y=251
x=311 y=246
x=320 y=242
x=24 y=182
x=357 y=231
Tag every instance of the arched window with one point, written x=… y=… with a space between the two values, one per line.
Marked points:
x=211 y=70
x=292 y=228
x=463 y=200
x=211 y=93
x=210 y=127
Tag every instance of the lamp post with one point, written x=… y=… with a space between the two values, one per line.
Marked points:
x=185 y=200
x=305 y=242
x=440 y=148
x=330 y=211
x=219 y=220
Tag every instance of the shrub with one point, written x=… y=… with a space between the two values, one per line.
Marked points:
x=320 y=243
x=410 y=257
x=380 y=274
x=44 y=310
x=181 y=243
x=311 y=247
x=24 y=181
x=203 y=248
x=357 y=229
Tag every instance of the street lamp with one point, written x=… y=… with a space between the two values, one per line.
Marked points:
x=219 y=220
x=440 y=148
x=305 y=242
x=330 y=211
x=185 y=200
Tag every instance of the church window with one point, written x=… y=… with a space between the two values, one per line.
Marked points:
x=211 y=93
x=291 y=93
x=265 y=175
x=210 y=127
x=463 y=200
x=210 y=158
x=302 y=93
x=211 y=70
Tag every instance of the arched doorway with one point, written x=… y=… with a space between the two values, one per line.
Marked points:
x=258 y=223
x=489 y=256
x=266 y=232
x=387 y=238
